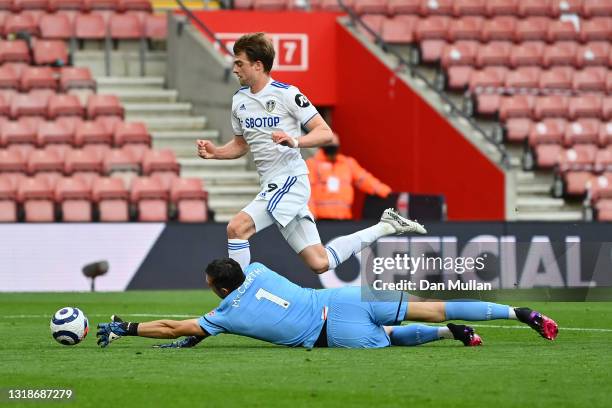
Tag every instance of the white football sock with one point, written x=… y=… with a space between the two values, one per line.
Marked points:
x=240 y=251
x=511 y=314
x=341 y=248
x=445 y=333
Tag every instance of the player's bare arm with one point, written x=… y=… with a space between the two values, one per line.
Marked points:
x=170 y=329
x=234 y=149
x=319 y=134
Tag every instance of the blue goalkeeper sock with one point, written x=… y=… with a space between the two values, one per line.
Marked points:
x=415 y=334
x=476 y=310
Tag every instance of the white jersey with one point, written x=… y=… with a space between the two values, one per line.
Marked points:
x=277 y=107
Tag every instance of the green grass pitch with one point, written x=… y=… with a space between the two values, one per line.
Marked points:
x=514 y=368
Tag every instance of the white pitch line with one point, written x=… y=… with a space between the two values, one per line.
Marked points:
x=587 y=329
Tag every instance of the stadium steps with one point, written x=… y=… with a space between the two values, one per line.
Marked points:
x=124 y=63
x=534 y=202
x=172 y=125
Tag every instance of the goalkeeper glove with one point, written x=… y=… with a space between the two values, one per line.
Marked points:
x=109 y=332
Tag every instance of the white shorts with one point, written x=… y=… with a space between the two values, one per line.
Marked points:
x=284 y=202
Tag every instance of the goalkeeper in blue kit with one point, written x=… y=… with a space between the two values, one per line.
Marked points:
x=262 y=304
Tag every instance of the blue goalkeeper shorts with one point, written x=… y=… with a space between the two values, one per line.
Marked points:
x=353 y=323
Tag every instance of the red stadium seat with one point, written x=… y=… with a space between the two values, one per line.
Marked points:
x=527 y=53
x=45 y=161
x=137 y=151
x=150 y=198
x=603 y=161
x=585 y=105
x=590 y=79
x=458 y=76
x=55 y=5
x=163 y=160
x=432 y=28
x=593 y=53
x=395 y=7
x=90 y=27
x=517 y=106
x=31 y=104
x=523 y=77
x=547 y=155
x=37 y=199
x=332 y=5
x=606 y=108
x=30 y=4
x=61 y=150
x=488 y=104
x=563 y=30
x=102 y=105
x=436 y=7
x=557 y=78
x=20 y=23
x=489 y=77
x=596 y=29
x=12 y=161
x=575 y=166
x=605 y=134
x=126 y=27
x=548 y=131
x=135 y=5
x=466 y=28
x=6 y=96
x=17 y=132
x=534 y=8
x=14 y=178
x=120 y=160
x=517 y=129
x=92 y=132
x=532 y=28
x=374 y=22
x=362 y=6
x=55 y=27
x=69 y=122
x=101 y=4
x=559 y=7
x=551 y=106
x=82 y=161
x=64 y=105
x=51 y=52
x=38 y=77
x=502 y=7
x=8 y=77
x=74 y=199
x=459 y=53
x=52 y=132
x=269 y=5
x=98 y=150
x=469 y=8
x=156 y=27
x=14 y=51
x=76 y=77
x=399 y=29
x=582 y=131
x=243 y=4
x=109 y=122
x=592 y=8
x=189 y=197
x=8 y=201
x=131 y=132
x=494 y=53
x=561 y=53
x=111 y=197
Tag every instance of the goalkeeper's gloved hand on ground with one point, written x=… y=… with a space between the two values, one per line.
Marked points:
x=109 y=332
x=186 y=342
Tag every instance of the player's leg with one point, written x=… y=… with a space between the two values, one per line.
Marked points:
x=252 y=219
x=416 y=334
x=441 y=311
x=342 y=248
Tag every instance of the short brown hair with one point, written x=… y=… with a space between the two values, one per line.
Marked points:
x=257 y=47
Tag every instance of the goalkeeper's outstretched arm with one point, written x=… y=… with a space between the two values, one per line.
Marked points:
x=158 y=329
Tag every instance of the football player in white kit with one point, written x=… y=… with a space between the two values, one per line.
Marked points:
x=268 y=117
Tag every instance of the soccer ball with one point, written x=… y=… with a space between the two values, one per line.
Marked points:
x=69 y=326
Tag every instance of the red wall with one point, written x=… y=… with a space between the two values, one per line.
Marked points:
x=318 y=82
x=405 y=142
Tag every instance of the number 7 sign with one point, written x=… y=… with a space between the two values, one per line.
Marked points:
x=291 y=49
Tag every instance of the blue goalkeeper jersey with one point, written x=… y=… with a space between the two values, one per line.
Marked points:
x=269 y=307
